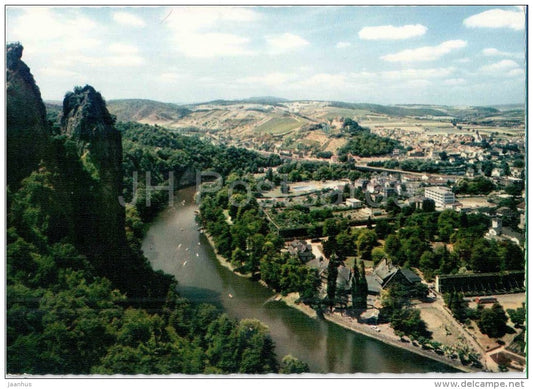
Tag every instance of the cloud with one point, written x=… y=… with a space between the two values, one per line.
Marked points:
x=342 y=45
x=325 y=80
x=418 y=73
x=328 y=81
x=118 y=54
x=282 y=43
x=77 y=60
x=199 y=32
x=515 y=72
x=55 y=72
x=270 y=79
x=127 y=19
x=497 y=18
x=121 y=48
x=499 y=66
x=201 y=19
x=391 y=32
x=454 y=81
x=209 y=45
x=170 y=76
x=419 y=83
x=492 y=52
x=123 y=60
x=505 y=67
x=47 y=30
x=426 y=53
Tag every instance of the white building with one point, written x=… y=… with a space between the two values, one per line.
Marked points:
x=442 y=196
x=496 y=228
x=354 y=203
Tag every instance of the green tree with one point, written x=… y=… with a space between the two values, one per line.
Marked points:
x=345 y=245
x=428 y=205
x=484 y=257
x=383 y=228
x=333 y=272
x=239 y=257
x=457 y=305
x=517 y=316
x=408 y=321
x=493 y=321
x=292 y=365
x=359 y=287
x=511 y=256
x=428 y=263
x=378 y=254
x=448 y=220
x=366 y=241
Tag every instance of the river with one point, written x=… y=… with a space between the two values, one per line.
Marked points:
x=174 y=244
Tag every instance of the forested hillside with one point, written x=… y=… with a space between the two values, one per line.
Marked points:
x=81 y=298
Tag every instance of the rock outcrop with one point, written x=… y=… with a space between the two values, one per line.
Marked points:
x=86 y=121
x=80 y=175
x=27 y=130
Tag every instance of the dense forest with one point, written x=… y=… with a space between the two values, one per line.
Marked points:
x=251 y=246
x=363 y=143
x=82 y=299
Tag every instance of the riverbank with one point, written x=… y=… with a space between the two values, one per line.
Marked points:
x=386 y=335
x=290 y=299
x=223 y=261
x=347 y=322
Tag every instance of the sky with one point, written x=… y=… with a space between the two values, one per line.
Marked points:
x=450 y=55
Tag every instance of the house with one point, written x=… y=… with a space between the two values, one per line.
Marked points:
x=386 y=274
x=302 y=250
x=344 y=279
x=354 y=203
x=497 y=231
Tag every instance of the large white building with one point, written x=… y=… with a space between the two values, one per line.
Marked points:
x=442 y=196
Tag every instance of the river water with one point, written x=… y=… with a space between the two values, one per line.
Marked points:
x=174 y=244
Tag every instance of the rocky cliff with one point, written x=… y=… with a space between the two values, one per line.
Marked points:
x=71 y=196
x=89 y=183
x=27 y=130
x=86 y=120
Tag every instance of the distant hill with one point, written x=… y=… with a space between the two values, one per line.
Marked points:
x=266 y=100
x=392 y=109
x=268 y=123
x=139 y=110
x=53 y=106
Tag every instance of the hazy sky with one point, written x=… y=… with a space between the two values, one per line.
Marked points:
x=390 y=55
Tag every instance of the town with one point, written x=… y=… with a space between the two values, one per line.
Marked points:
x=404 y=240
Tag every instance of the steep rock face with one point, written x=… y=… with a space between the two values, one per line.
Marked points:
x=86 y=121
x=27 y=130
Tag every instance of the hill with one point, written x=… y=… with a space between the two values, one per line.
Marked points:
x=311 y=127
x=146 y=111
x=267 y=100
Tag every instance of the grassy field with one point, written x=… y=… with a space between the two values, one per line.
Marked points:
x=333 y=112
x=278 y=125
